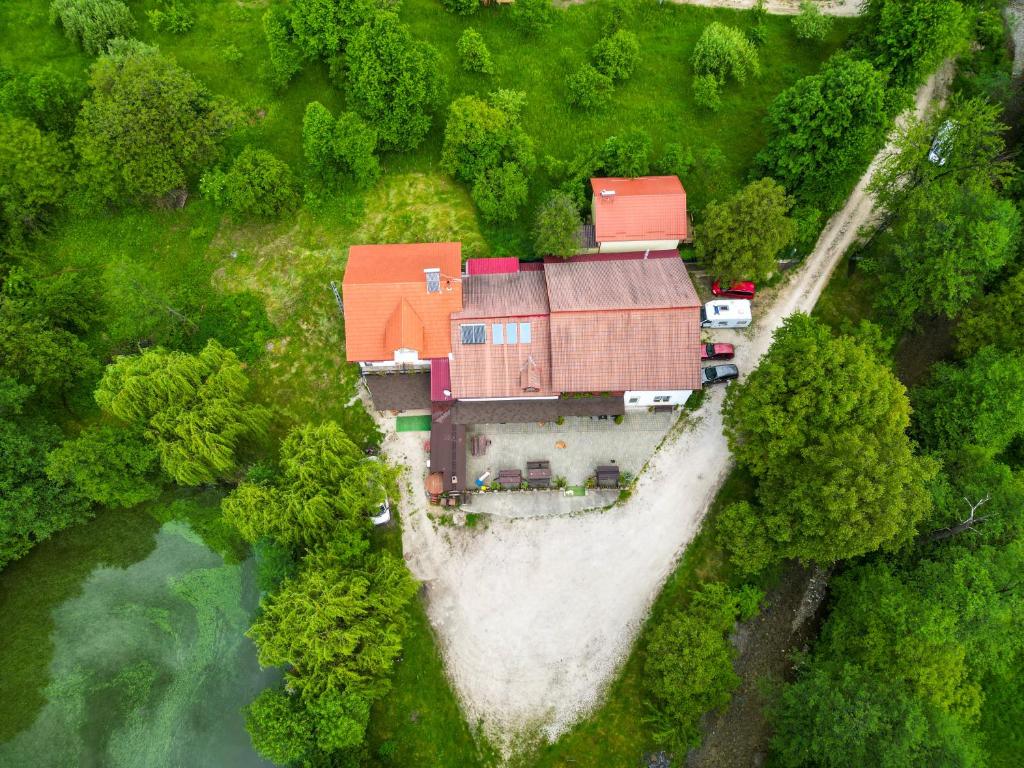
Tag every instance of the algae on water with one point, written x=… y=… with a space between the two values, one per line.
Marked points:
x=151 y=666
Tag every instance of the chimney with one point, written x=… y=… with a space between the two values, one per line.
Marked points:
x=607 y=193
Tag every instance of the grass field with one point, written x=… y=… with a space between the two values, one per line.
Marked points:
x=152 y=264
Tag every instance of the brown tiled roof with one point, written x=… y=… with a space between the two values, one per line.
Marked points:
x=385 y=286
x=448 y=450
x=496 y=370
x=647 y=349
x=399 y=391
x=622 y=284
x=524 y=411
x=516 y=294
x=647 y=208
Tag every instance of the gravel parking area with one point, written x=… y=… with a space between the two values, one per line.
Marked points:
x=535 y=616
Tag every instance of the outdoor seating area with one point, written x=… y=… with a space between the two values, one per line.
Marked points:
x=608 y=476
x=538 y=474
x=510 y=478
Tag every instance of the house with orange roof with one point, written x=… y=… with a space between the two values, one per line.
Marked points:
x=642 y=214
x=398 y=302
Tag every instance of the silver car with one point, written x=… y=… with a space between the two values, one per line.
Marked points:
x=718 y=374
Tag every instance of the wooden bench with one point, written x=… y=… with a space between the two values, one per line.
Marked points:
x=510 y=478
x=608 y=476
x=538 y=474
x=478 y=445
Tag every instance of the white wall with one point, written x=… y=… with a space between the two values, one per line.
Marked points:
x=386 y=366
x=645 y=399
x=638 y=245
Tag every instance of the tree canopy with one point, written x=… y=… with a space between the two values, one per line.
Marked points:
x=741 y=238
x=949 y=231
x=108 y=465
x=91 y=23
x=325 y=492
x=256 y=184
x=995 y=320
x=33 y=176
x=556 y=232
x=323 y=27
x=822 y=130
x=979 y=402
x=195 y=408
x=394 y=81
x=910 y=37
x=822 y=427
x=147 y=127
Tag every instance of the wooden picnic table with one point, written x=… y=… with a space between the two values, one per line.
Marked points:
x=538 y=473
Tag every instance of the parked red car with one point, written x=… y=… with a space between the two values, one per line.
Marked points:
x=742 y=290
x=713 y=351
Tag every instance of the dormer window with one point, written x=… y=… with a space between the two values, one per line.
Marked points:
x=433 y=280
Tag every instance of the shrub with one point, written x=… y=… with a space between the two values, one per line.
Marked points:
x=91 y=23
x=725 y=53
x=811 y=23
x=461 y=7
x=689 y=661
x=589 y=89
x=33 y=176
x=616 y=55
x=676 y=160
x=394 y=81
x=147 y=127
x=354 y=145
x=500 y=192
x=532 y=16
x=707 y=92
x=556 y=232
x=473 y=52
x=44 y=96
x=259 y=184
x=285 y=54
x=481 y=135
x=627 y=155
x=171 y=18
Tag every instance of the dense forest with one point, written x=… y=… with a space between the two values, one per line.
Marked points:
x=179 y=179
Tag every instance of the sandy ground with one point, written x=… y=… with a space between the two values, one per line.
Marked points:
x=535 y=616
x=788 y=7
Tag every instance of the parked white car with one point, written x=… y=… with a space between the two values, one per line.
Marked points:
x=937 y=153
x=383 y=515
x=725 y=313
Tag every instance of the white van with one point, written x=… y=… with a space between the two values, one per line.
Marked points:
x=725 y=313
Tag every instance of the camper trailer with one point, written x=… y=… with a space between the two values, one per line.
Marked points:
x=725 y=313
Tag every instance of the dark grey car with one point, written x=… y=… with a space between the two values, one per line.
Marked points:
x=718 y=374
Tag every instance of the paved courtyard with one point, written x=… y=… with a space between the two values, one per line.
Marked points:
x=588 y=442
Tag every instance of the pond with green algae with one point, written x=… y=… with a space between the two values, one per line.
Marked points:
x=148 y=661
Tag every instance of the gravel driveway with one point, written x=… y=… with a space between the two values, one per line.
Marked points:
x=535 y=616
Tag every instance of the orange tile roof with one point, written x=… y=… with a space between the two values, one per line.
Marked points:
x=646 y=208
x=613 y=351
x=387 y=303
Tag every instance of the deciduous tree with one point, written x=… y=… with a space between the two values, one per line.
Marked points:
x=556 y=232
x=588 y=89
x=33 y=176
x=394 y=81
x=256 y=184
x=531 y=17
x=109 y=465
x=473 y=51
x=147 y=127
x=741 y=238
x=91 y=23
x=822 y=427
x=979 y=402
x=996 y=320
x=910 y=37
x=195 y=408
x=822 y=130
x=811 y=23
x=616 y=55
x=627 y=154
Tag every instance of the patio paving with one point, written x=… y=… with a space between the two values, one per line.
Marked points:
x=516 y=504
x=589 y=442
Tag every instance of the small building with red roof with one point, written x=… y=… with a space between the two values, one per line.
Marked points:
x=642 y=214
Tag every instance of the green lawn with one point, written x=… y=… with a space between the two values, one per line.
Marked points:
x=151 y=264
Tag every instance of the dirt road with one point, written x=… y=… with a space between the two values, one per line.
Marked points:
x=535 y=616
x=787 y=7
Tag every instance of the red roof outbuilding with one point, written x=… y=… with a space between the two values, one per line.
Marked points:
x=502 y=265
x=635 y=210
